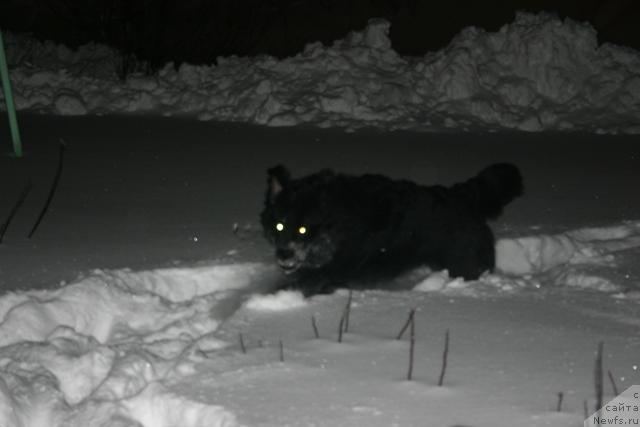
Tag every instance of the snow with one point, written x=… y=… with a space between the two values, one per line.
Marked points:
x=537 y=254
x=281 y=300
x=119 y=347
x=127 y=307
x=161 y=226
x=537 y=73
x=98 y=349
x=566 y=258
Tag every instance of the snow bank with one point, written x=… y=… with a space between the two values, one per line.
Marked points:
x=99 y=351
x=565 y=259
x=542 y=253
x=537 y=73
x=281 y=300
x=107 y=349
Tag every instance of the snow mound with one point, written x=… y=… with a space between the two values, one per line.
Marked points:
x=565 y=259
x=537 y=73
x=183 y=284
x=542 y=253
x=119 y=304
x=281 y=300
x=487 y=284
x=439 y=281
x=99 y=351
x=118 y=348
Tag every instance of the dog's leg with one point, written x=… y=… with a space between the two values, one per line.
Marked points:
x=470 y=252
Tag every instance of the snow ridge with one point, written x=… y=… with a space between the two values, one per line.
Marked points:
x=107 y=349
x=537 y=73
x=102 y=350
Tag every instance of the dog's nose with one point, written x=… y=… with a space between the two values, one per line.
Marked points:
x=284 y=253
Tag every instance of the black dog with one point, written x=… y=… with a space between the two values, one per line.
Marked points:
x=333 y=226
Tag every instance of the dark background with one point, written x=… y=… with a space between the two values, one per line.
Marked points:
x=197 y=31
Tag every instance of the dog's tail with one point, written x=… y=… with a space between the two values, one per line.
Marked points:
x=492 y=189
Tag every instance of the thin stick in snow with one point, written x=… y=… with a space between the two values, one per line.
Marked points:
x=445 y=356
x=599 y=376
x=347 y=311
x=341 y=328
x=613 y=382
x=407 y=323
x=315 y=327
x=412 y=346
x=54 y=186
x=14 y=210
x=242 y=346
x=560 y=398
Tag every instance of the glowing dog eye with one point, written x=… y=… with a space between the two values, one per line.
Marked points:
x=302 y=230
x=279 y=226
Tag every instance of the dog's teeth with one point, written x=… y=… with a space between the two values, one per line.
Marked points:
x=286 y=264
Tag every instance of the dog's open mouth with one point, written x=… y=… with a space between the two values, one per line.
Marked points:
x=288 y=265
x=296 y=256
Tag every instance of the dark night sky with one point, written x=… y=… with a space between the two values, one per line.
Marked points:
x=198 y=31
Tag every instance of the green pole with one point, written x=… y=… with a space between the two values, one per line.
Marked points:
x=8 y=97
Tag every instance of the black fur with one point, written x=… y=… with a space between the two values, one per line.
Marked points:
x=355 y=226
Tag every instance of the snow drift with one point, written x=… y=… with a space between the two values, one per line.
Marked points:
x=105 y=349
x=99 y=351
x=537 y=73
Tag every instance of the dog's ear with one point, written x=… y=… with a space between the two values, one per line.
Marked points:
x=278 y=178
